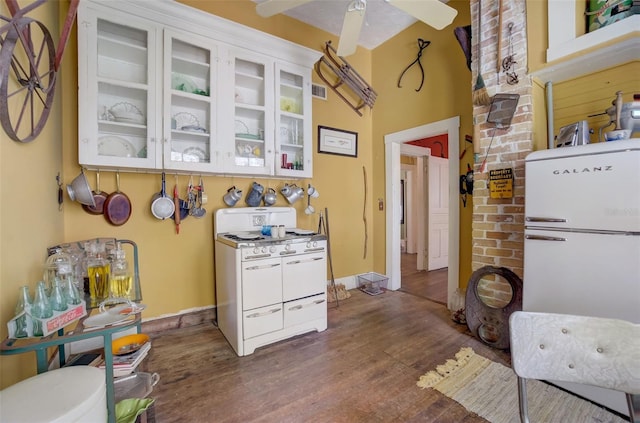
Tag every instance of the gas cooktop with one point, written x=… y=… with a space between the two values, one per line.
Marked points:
x=255 y=238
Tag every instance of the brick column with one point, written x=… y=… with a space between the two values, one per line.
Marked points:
x=498 y=224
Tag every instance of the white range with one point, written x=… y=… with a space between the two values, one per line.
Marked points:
x=267 y=289
x=582 y=237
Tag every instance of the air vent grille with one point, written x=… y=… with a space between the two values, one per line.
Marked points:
x=319 y=91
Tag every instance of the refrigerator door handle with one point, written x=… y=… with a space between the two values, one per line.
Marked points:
x=544 y=238
x=545 y=219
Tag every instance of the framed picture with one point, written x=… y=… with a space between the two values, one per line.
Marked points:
x=337 y=141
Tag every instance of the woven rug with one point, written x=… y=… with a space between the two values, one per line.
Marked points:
x=490 y=390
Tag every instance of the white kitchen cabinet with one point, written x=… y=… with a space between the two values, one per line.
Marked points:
x=190 y=102
x=293 y=121
x=118 y=80
x=163 y=86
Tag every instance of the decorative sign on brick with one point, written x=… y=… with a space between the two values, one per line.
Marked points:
x=501 y=183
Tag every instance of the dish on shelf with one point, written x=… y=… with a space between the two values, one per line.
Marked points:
x=289 y=105
x=112 y=145
x=183 y=83
x=187 y=122
x=126 y=113
x=194 y=128
x=194 y=154
x=129 y=343
x=241 y=128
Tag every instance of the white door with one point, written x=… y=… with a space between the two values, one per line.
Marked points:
x=438 y=213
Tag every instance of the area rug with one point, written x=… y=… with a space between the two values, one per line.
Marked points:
x=490 y=390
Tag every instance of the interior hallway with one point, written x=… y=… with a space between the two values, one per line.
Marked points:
x=430 y=285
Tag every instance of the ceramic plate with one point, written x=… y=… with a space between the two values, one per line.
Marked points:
x=115 y=146
x=126 y=113
x=246 y=235
x=104 y=319
x=186 y=120
x=303 y=232
x=194 y=154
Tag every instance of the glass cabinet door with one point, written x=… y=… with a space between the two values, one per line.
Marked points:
x=250 y=146
x=293 y=122
x=117 y=117
x=190 y=102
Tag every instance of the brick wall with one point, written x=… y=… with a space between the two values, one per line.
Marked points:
x=498 y=224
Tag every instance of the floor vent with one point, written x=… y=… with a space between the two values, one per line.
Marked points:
x=319 y=91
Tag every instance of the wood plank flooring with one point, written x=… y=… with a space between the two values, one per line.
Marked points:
x=363 y=368
x=430 y=285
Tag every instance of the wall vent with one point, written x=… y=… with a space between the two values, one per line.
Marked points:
x=319 y=91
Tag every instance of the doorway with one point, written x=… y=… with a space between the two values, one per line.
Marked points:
x=394 y=147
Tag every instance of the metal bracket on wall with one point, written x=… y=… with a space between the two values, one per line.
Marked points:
x=344 y=74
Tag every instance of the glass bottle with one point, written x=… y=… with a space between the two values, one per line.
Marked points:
x=58 y=265
x=72 y=294
x=58 y=299
x=22 y=308
x=98 y=269
x=41 y=308
x=121 y=281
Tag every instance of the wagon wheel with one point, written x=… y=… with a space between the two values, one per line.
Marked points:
x=28 y=55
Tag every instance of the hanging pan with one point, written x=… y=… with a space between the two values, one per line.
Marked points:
x=162 y=206
x=99 y=198
x=117 y=206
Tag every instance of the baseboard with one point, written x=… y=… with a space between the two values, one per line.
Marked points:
x=180 y=320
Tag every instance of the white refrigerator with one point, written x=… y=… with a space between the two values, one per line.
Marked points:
x=582 y=238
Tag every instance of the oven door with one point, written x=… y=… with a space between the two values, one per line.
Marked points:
x=262 y=320
x=305 y=310
x=304 y=275
x=261 y=283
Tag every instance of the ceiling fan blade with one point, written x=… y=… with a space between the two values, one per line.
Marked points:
x=432 y=12
x=273 y=7
x=353 y=20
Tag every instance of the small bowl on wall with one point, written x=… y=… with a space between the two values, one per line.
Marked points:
x=618 y=134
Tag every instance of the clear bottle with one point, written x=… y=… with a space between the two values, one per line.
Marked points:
x=121 y=281
x=22 y=308
x=99 y=270
x=72 y=294
x=41 y=308
x=58 y=299
x=58 y=265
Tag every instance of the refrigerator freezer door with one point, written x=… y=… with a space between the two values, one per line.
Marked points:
x=582 y=273
x=599 y=191
x=585 y=274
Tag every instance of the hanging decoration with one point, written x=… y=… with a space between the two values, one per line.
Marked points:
x=343 y=75
x=422 y=44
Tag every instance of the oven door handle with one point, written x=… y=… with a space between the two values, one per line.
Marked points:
x=301 y=306
x=264 y=266
x=305 y=261
x=265 y=313
x=311 y=250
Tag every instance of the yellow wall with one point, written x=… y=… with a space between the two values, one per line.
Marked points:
x=446 y=93
x=29 y=216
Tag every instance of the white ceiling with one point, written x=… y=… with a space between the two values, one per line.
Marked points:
x=382 y=21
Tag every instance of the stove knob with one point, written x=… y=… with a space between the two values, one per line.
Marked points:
x=264 y=250
x=272 y=249
x=256 y=250
x=287 y=247
x=309 y=244
x=315 y=244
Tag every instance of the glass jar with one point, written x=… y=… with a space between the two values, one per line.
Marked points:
x=121 y=281
x=58 y=265
x=22 y=308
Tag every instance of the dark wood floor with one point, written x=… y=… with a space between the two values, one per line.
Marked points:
x=430 y=285
x=363 y=368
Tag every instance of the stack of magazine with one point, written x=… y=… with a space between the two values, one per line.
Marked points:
x=127 y=363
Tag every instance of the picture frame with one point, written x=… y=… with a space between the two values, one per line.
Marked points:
x=337 y=141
